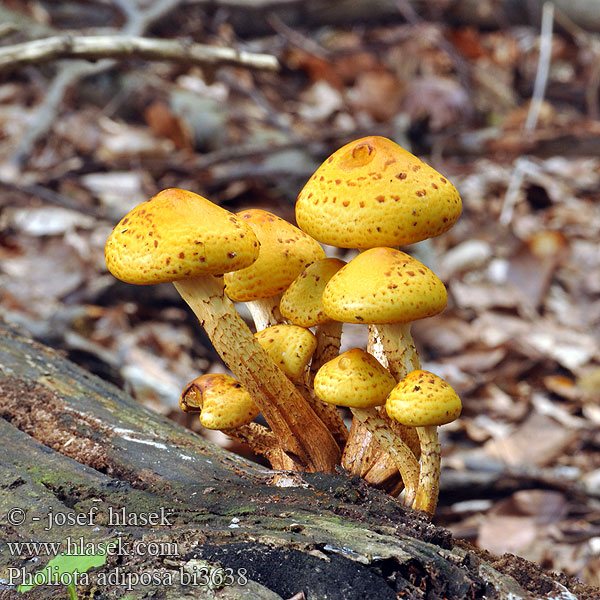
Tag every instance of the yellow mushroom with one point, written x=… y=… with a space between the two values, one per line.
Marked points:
x=425 y=401
x=289 y=346
x=181 y=237
x=301 y=304
x=357 y=380
x=390 y=289
x=224 y=404
x=371 y=192
x=285 y=251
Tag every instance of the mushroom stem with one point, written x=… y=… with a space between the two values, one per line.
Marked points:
x=356 y=448
x=265 y=312
x=400 y=452
x=427 y=494
x=302 y=436
x=399 y=348
x=329 y=336
x=328 y=413
x=402 y=356
x=362 y=451
x=262 y=441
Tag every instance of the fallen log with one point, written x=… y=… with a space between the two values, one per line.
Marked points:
x=84 y=464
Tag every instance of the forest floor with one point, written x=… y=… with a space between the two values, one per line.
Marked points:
x=520 y=338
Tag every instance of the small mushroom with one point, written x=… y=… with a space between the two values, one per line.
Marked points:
x=221 y=400
x=425 y=401
x=284 y=253
x=289 y=346
x=357 y=380
x=181 y=237
x=302 y=304
x=389 y=288
x=224 y=404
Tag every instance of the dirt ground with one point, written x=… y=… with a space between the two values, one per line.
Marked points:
x=82 y=143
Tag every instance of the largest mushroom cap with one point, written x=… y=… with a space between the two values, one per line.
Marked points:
x=285 y=251
x=371 y=192
x=175 y=235
x=383 y=285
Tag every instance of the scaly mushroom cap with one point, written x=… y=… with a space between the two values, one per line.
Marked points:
x=301 y=303
x=290 y=347
x=285 y=251
x=383 y=285
x=421 y=399
x=355 y=379
x=371 y=192
x=175 y=235
x=221 y=400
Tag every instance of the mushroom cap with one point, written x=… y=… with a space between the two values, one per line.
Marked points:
x=371 y=192
x=301 y=302
x=289 y=346
x=422 y=398
x=355 y=379
x=221 y=400
x=175 y=235
x=284 y=253
x=383 y=285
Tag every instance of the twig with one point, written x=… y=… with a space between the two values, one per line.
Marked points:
x=51 y=197
x=539 y=90
x=97 y=47
x=410 y=14
x=136 y=23
x=295 y=38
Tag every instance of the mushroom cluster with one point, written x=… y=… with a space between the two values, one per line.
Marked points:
x=370 y=195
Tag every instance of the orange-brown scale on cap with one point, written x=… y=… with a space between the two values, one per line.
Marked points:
x=383 y=285
x=178 y=234
x=384 y=196
x=284 y=253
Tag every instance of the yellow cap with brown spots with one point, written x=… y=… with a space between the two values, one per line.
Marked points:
x=285 y=251
x=421 y=399
x=383 y=285
x=175 y=235
x=301 y=303
x=289 y=346
x=355 y=379
x=371 y=192
x=221 y=400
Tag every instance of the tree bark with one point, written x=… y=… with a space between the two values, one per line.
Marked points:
x=73 y=444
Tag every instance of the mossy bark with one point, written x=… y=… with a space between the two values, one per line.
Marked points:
x=75 y=445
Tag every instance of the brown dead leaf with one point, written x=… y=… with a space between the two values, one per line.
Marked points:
x=316 y=67
x=439 y=100
x=378 y=93
x=526 y=446
x=165 y=124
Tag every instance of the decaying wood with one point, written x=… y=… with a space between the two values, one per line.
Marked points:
x=72 y=442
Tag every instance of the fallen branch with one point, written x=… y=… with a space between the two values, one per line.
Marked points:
x=97 y=47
